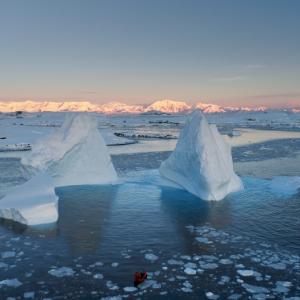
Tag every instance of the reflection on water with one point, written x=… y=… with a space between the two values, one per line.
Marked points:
x=121 y=223
x=83 y=212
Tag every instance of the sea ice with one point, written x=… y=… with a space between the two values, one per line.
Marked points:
x=98 y=276
x=253 y=289
x=29 y=295
x=246 y=273
x=190 y=271
x=285 y=185
x=62 y=272
x=130 y=289
x=8 y=254
x=31 y=203
x=202 y=162
x=211 y=295
x=151 y=257
x=11 y=282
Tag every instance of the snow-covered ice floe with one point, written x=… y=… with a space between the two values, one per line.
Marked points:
x=31 y=203
x=74 y=154
x=202 y=161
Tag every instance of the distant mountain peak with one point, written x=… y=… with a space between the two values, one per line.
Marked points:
x=162 y=106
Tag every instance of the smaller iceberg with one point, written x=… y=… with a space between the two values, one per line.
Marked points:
x=31 y=203
x=74 y=154
x=202 y=162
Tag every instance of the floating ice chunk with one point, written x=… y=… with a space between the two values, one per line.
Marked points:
x=246 y=273
x=74 y=154
x=146 y=284
x=98 y=276
x=211 y=295
x=115 y=264
x=277 y=266
x=8 y=254
x=225 y=261
x=11 y=282
x=282 y=287
x=62 y=272
x=3 y=265
x=190 y=271
x=186 y=290
x=253 y=289
x=130 y=289
x=185 y=257
x=209 y=266
x=156 y=286
x=234 y=297
x=203 y=240
x=29 y=295
x=285 y=185
x=31 y=203
x=202 y=162
x=190 y=265
x=112 y=298
x=111 y=285
x=175 y=262
x=150 y=256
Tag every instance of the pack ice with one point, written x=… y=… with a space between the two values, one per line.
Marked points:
x=202 y=162
x=74 y=154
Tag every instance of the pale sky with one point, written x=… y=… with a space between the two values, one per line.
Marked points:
x=136 y=51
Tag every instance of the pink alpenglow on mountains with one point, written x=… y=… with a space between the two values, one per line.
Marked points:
x=110 y=108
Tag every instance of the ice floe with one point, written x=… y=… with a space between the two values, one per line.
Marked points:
x=11 y=282
x=62 y=272
x=31 y=203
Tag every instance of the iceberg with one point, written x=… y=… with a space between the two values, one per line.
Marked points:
x=74 y=154
x=202 y=162
x=31 y=203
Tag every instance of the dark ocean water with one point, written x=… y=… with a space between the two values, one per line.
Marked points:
x=106 y=233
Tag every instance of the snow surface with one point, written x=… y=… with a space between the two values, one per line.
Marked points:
x=74 y=154
x=202 y=162
x=31 y=203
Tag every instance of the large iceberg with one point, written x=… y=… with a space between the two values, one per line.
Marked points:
x=202 y=161
x=31 y=203
x=74 y=154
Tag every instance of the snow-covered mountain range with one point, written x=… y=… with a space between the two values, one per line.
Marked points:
x=163 y=106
